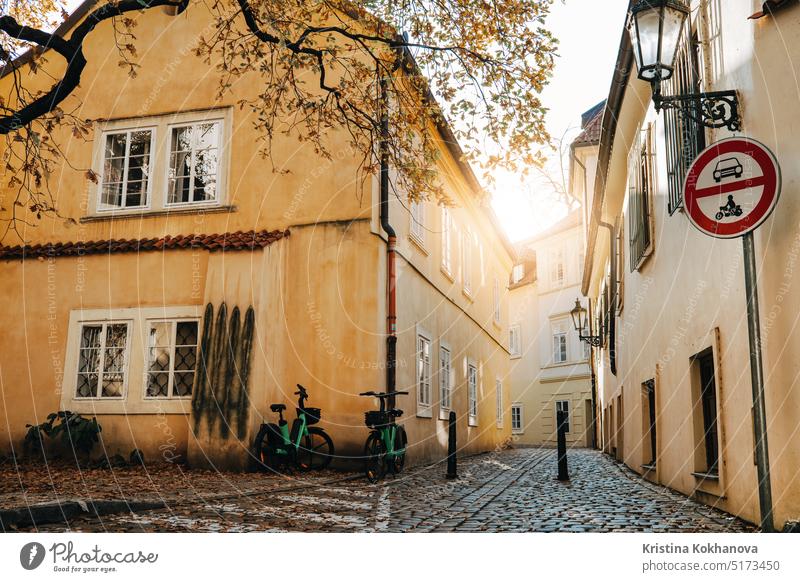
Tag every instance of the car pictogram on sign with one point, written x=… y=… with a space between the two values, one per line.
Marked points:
x=732 y=187
x=728 y=167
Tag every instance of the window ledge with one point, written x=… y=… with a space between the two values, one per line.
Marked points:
x=190 y=210
x=419 y=243
x=424 y=413
x=444 y=414
x=515 y=356
x=468 y=294
x=706 y=476
x=473 y=421
x=517 y=431
x=447 y=273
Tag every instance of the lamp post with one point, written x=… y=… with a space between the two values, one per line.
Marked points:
x=656 y=28
x=580 y=319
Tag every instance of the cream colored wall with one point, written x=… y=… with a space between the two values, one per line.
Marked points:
x=537 y=383
x=690 y=294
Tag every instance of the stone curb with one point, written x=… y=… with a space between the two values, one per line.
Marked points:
x=60 y=512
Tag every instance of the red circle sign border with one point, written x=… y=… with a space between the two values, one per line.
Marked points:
x=772 y=174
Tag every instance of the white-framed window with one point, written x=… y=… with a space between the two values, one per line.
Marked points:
x=194 y=153
x=498 y=388
x=119 y=359
x=496 y=300
x=162 y=162
x=587 y=350
x=557 y=267
x=560 y=344
x=562 y=406
x=515 y=340
x=466 y=261
x=102 y=359
x=517 y=273
x=516 y=419
x=172 y=358
x=447 y=241
x=472 y=392
x=423 y=374
x=417 y=211
x=125 y=178
x=445 y=380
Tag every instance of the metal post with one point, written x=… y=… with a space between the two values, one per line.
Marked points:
x=561 y=419
x=452 y=471
x=757 y=379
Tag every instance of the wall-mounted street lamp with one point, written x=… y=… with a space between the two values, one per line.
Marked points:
x=656 y=28
x=580 y=319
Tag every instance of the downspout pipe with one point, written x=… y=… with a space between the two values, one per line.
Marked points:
x=391 y=250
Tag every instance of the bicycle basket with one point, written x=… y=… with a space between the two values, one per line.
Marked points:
x=312 y=414
x=376 y=419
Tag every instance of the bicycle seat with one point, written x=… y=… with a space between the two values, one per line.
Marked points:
x=277 y=407
x=395 y=413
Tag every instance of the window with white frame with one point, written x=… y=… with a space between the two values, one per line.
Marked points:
x=514 y=341
x=517 y=273
x=194 y=162
x=445 y=385
x=160 y=162
x=172 y=358
x=516 y=418
x=423 y=373
x=557 y=267
x=466 y=261
x=447 y=242
x=102 y=360
x=560 y=346
x=472 y=392
x=417 y=209
x=127 y=166
x=498 y=388
x=496 y=300
x=563 y=406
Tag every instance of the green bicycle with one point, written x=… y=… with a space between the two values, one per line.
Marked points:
x=385 y=448
x=307 y=448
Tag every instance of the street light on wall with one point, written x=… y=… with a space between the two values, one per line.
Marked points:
x=580 y=319
x=656 y=28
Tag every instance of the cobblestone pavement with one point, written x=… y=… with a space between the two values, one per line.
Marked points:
x=507 y=491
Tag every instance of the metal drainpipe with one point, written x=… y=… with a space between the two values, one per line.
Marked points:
x=391 y=236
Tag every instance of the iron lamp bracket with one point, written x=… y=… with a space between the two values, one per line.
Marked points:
x=716 y=109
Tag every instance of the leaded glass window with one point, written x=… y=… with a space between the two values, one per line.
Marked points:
x=172 y=358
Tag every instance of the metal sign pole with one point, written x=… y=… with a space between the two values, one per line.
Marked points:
x=757 y=378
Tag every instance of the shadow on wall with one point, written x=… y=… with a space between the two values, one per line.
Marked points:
x=220 y=403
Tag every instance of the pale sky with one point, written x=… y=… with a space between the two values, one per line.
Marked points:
x=589 y=32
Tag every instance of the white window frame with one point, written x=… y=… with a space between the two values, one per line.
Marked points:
x=498 y=388
x=424 y=406
x=446 y=380
x=104 y=324
x=517 y=273
x=496 y=300
x=520 y=409
x=416 y=230
x=515 y=347
x=171 y=371
x=472 y=392
x=106 y=209
x=559 y=404
x=560 y=331
x=158 y=184
x=133 y=402
x=558 y=274
x=447 y=242
x=168 y=150
x=466 y=262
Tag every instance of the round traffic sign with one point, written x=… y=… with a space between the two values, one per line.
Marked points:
x=732 y=187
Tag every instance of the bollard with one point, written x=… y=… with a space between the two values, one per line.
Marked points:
x=452 y=472
x=561 y=419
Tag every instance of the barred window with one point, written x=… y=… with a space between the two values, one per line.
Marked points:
x=685 y=138
x=172 y=358
x=640 y=191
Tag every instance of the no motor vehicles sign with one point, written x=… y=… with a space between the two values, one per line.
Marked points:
x=732 y=187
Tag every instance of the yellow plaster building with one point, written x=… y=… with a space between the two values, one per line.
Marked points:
x=105 y=316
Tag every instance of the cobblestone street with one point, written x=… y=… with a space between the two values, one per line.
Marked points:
x=508 y=491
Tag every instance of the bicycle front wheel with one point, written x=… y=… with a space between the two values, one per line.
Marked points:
x=316 y=450
x=374 y=451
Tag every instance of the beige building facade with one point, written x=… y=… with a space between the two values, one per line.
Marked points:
x=549 y=364
x=673 y=374
x=286 y=269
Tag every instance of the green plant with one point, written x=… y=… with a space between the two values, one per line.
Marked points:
x=75 y=432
